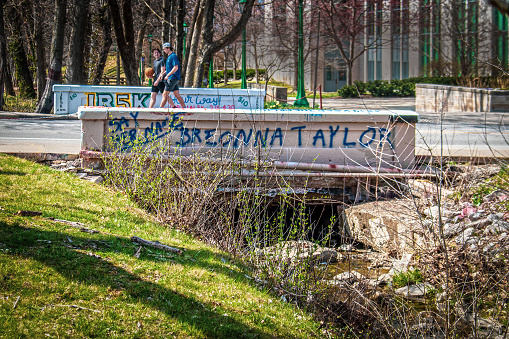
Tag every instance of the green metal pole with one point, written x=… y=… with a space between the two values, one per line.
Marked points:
x=185 y=34
x=243 y=77
x=211 y=74
x=301 y=101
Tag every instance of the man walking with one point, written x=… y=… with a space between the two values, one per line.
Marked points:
x=172 y=78
x=159 y=71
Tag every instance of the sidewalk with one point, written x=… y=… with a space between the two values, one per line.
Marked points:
x=27 y=116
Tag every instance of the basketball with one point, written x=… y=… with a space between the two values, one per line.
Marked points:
x=149 y=72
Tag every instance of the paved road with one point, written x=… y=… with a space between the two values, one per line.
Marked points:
x=463 y=134
x=40 y=136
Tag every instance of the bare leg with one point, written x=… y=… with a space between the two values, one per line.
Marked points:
x=152 y=99
x=166 y=98
x=180 y=99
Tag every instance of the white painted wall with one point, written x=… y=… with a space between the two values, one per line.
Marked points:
x=67 y=98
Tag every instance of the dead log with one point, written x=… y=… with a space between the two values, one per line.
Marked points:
x=156 y=245
x=75 y=224
x=29 y=213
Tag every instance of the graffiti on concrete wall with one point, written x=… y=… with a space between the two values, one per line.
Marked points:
x=136 y=100
x=126 y=130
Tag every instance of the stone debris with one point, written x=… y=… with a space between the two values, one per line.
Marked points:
x=346 y=248
x=385 y=226
x=426 y=189
x=468 y=318
x=297 y=251
x=434 y=212
x=414 y=291
x=349 y=277
x=75 y=166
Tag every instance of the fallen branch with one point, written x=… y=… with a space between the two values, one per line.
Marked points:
x=29 y=213
x=137 y=254
x=82 y=308
x=16 y=302
x=75 y=224
x=157 y=245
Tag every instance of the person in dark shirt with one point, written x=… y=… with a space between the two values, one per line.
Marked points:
x=158 y=83
x=172 y=78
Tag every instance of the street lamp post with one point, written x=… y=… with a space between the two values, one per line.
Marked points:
x=149 y=36
x=301 y=101
x=211 y=74
x=243 y=84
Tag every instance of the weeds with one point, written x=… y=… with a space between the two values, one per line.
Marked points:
x=241 y=205
x=410 y=277
x=18 y=104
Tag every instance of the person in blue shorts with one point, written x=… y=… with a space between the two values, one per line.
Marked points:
x=159 y=69
x=172 y=78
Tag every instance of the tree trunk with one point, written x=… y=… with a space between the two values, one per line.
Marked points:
x=141 y=36
x=179 y=41
x=75 y=71
x=225 y=72
x=172 y=21
x=166 y=20
x=195 y=41
x=5 y=76
x=9 y=87
x=255 y=56
x=210 y=47
x=207 y=36
x=17 y=49
x=189 y=38
x=40 y=50
x=105 y=23
x=501 y=5
x=124 y=32
x=57 y=49
x=3 y=55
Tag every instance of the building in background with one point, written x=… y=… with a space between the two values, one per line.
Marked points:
x=392 y=39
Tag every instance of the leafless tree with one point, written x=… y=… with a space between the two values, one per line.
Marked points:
x=75 y=73
x=122 y=17
x=104 y=23
x=211 y=46
x=57 y=47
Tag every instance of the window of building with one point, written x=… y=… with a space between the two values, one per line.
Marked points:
x=429 y=17
x=466 y=36
x=400 y=30
x=500 y=40
x=374 y=38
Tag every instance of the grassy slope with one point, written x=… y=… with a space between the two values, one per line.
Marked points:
x=52 y=266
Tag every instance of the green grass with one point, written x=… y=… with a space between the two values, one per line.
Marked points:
x=409 y=277
x=498 y=182
x=19 y=104
x=53 y=267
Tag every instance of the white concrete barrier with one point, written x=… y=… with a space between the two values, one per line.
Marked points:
x=68 y=98
x=439 y=98
x=333 y=140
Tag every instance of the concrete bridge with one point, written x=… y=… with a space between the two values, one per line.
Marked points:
x=312 y=149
